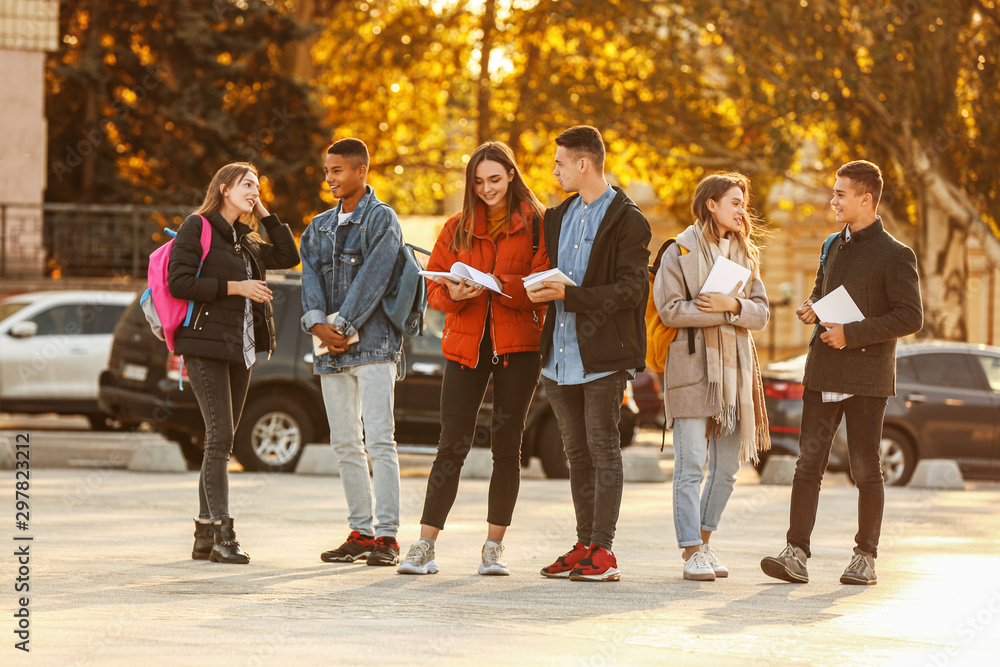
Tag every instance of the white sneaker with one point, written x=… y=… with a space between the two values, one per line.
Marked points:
x=419 y=560
x=697 y=568
x=493 y=562
x=721 y=571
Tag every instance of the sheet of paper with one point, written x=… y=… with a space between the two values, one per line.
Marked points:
x=838 y=307
x=724 y=276
x=533 y=283
x=320 y=351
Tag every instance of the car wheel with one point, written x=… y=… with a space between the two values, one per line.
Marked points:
x=626 y=427
x=272 y=433
x=191 y=447
x=898 y=458
x=549 y=448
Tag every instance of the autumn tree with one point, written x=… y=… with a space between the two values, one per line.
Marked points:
x=912 y=86
x=146 y=100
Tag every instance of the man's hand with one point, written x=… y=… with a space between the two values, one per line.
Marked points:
x=330 y=337
x=806 y=314
x=834 y=335
x=551 y=291
x=462 y=291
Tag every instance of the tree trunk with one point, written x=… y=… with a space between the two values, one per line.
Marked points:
x=947 y=219
x=485 y=86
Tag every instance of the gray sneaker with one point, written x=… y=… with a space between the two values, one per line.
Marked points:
x=419 y=560
x=860 y=571
x=493 y=562
x=789 y=565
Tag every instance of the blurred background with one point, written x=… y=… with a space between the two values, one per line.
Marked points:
x=117 y=113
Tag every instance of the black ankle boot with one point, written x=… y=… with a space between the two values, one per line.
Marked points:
x=227 y=549
x=204 y=538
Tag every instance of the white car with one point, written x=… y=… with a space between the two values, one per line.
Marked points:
x=53 y=347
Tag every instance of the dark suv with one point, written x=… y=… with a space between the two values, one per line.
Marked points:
x=284 y=407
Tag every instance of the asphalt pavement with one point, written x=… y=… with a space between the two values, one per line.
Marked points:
x=112 y=582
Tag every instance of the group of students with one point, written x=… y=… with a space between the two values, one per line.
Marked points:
x=585 y=340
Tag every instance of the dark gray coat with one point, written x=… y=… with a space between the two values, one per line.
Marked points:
x=880 y=274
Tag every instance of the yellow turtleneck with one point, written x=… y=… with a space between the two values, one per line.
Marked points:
x=495 y=221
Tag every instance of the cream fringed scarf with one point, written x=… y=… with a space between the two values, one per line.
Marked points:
x=733 y=369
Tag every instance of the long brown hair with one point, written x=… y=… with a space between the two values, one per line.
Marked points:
x=713 y=188
x=517 y=192
x=230 y=176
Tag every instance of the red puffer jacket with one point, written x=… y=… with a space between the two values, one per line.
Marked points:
x=516 y=323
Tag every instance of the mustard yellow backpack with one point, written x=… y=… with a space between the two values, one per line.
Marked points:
x=658 y=335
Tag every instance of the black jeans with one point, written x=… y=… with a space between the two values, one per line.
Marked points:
x=588 y=417
x=221 y=389
x=864 y=435
x=515 y=377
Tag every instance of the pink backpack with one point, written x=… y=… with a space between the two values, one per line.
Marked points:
x=164 y=312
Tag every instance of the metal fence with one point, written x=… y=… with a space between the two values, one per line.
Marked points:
x=85 y=240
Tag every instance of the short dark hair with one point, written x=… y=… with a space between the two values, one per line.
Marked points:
x=866 y=176
x=352 y=149
x=584 y=139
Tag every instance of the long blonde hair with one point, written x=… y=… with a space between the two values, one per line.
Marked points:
x=714 y=187
x=517 y=192
x=230 y=176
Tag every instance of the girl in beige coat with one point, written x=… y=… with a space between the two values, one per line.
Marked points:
x=713 y=396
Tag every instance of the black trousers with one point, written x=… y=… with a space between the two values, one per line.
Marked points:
x=864 y=436
x=588 y=416
x=515 y=377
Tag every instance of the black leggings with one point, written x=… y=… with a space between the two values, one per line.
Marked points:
x=514 y=379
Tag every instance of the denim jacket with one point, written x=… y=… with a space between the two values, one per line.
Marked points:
x=336 y=277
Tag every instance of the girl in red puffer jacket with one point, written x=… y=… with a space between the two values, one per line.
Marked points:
x=486 y=335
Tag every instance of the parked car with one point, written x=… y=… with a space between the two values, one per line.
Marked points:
x=947 y=405
x=647 y=390
x=54 y=346
x=284 y=407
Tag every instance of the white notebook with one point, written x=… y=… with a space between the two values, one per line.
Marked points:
x=838 y=307
x=461 y=270
x=724 y=276
x=320 y=351
x=533 y=283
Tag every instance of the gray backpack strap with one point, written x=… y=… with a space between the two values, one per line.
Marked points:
x=365 y=219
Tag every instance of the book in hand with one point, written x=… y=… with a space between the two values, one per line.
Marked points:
x=319 y=351
x=460 y=270
x=725 y=276
x=533 y=283
x=837 y=307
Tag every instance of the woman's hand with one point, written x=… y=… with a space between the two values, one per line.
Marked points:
x=255 y=290
x=462 y=291
x=259 y=210
x=717 y=302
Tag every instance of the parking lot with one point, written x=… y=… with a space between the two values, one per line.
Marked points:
x=111 y=578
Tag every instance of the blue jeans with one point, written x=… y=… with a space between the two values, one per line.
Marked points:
x=365 y=392
x=220 y=388
x=588 y=416
x=691 y=448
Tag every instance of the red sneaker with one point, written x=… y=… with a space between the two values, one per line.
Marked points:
x=598 y=565
x=356 y=547
x=565 y=563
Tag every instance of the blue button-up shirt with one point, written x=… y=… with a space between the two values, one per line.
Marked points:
x=576 y=238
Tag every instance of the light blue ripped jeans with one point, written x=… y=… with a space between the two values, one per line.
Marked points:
x=691 y=449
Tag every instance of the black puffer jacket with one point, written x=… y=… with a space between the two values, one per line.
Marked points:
x=216 y=329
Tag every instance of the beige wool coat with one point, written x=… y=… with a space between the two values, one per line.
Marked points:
x=685 y=383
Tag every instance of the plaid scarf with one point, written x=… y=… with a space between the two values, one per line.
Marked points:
x=733 y=369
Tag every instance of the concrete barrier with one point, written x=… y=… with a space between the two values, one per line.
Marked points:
x=937 y=474
x=478 y=464
x=642 y=468
x=158 y=457
x=778 y=470
x=318 y=460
